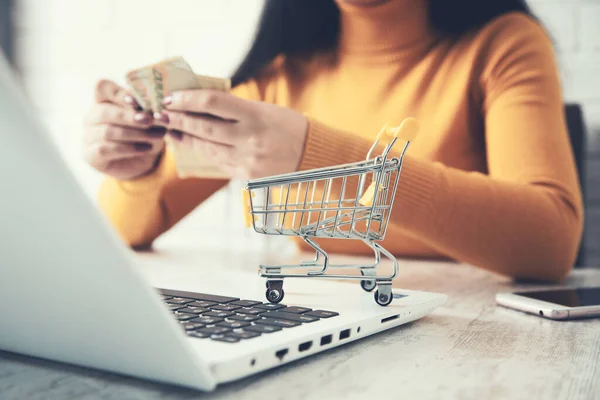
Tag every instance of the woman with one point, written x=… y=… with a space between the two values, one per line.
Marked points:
x=489 y=181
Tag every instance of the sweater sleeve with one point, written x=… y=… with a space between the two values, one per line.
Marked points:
x=524 y=218
x=141 y=209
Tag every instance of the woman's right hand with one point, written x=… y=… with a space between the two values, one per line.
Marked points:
x=120 y=140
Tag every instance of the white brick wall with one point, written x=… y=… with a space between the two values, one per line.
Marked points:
x=64 y=46
x=590 y=26
x=575 y=28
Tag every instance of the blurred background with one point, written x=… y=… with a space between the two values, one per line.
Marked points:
x=61 y=48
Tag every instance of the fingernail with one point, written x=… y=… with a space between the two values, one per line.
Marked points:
x=167 y=100
x=142 y=146
x=141 y=118
x=177 y=135
x=157 y=132
x=129 y=100
x=164 y=118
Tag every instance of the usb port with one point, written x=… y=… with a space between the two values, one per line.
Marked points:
x=305 y=346
x=345 y=334
x=325 y=340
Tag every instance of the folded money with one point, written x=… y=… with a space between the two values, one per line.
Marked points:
x=151 y=84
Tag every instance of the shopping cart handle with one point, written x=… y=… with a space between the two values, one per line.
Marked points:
x=381 y=136
x=407 y=130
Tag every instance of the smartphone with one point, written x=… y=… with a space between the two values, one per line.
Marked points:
x=558 y=304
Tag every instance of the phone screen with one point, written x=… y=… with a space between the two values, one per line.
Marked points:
x=567 y=297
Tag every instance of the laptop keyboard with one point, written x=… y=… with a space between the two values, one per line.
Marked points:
x=230 y=319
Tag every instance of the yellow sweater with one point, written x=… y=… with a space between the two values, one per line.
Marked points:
x=489 y=181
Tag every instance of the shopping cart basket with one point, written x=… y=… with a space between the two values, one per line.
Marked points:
x=333 y=203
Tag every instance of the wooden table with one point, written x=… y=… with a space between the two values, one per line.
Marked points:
x=468 y=349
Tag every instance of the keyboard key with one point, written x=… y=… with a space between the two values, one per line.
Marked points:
x=242 y=335
x=226 y=339
x=174 y=307
x=167 y=297
x=198 y=296
x=262 y=328
x=202 y=303
x=207 y=320
x=270 y=306
x=193 y=310
x=224 y=307
x=297 y=310
x=233 y=324
x=214 y=330
x=191 y=326
x=322 y=314
x=245 y=303
x=215 y=298
x=184 y=316
x=219 y=314
x=283 y=323
x=250 y=311
x=244 y=318
x=179 y=300
x=197 y=334
x=290 y=316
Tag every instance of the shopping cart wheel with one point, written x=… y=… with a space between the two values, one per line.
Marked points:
x=383 y=298
x=275 y=291
x=368 y=285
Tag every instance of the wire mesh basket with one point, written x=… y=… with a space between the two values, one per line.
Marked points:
x=351 y=201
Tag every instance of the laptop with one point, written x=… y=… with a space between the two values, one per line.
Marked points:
x=72 y=292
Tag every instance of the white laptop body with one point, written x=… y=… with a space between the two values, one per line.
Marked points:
x=71 y=291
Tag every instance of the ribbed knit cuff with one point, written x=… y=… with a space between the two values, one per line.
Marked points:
x=325 y=146
x=414 y=204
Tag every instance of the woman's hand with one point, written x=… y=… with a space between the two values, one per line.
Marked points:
x=248 y=139
x=120 y=140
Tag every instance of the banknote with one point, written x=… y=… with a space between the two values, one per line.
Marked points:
x=191 y=164
x=151 y=84
x=141 y=84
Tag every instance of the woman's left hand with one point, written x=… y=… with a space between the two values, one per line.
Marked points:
x=248 y=139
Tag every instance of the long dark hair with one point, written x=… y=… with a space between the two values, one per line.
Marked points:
x=295 y=26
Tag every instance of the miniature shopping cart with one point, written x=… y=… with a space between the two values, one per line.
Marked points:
x=332 y=203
